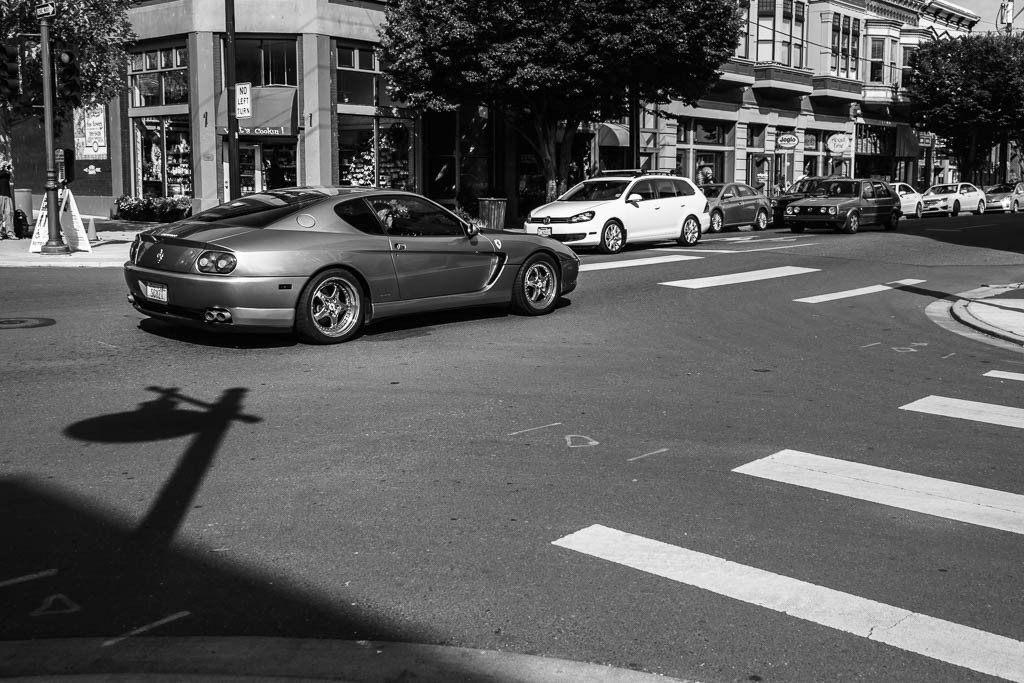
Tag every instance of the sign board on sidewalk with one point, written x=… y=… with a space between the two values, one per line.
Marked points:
x=76 y=238
x=243 y=100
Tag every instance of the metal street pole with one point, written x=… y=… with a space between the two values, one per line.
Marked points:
x=55 y=244
x=234 y=174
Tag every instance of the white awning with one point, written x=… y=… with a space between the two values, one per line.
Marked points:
x=613 y=135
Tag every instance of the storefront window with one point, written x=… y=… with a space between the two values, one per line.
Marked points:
x=709 y=133
x=162 y=156
x=359 y=78
x=376 y=152
x=159 y=77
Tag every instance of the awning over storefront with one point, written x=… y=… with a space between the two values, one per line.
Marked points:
x=274 y=113
x=613 y=135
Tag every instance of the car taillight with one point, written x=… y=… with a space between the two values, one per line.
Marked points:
x=216 y=262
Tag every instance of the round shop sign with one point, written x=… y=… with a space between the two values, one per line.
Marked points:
x=838 y=143
x=787 y=141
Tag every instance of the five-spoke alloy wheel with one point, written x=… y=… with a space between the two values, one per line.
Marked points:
x=536 y=288
x=330 y=308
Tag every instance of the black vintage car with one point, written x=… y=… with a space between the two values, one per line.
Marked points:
x=798 y=190
x=845 y=205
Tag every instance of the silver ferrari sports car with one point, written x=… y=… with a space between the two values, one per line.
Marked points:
x=323 y=261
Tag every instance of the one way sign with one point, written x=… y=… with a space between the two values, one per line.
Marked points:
x=46 y=9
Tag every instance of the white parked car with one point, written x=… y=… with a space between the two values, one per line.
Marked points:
x=911 y=201
x=1007 y=197
x=952 y=198
x=612 y=210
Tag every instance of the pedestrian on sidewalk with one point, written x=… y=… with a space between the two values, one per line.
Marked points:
x=7 y=231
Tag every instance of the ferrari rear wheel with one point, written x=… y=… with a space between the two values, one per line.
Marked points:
x=330 y=308
x=536 y=287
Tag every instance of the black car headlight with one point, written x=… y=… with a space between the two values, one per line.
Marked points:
x=219 y=262
x=582 y=217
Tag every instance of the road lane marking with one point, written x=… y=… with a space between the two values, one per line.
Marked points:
x=945 y=641
x=148 y=627
x=735 y=278
x=873 y=289
x=1002 y=374
x=28 y=577
x=651 y=261
x=989 y=413
x=739 y=251
x=533 y=429
x=660 y=450
x=938 y=497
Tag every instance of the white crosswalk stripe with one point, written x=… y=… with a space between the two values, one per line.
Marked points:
x=945 y=641
x=938 y=497
x=874 y=289
x=989 y=413
x=651 y=261
x=736 y=278
x=1002 y=374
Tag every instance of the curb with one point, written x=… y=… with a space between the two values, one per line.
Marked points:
x=962 y=313
x=278 y=659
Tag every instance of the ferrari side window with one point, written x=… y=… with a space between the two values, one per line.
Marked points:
x=414 y=217
x=357 y=214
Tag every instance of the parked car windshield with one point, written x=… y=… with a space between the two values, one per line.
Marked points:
x=809 y=186
x=941 y=189
x=1005 y=187
x=711 y=191
x=843 y=188
x=259 y=210
x=595 y=190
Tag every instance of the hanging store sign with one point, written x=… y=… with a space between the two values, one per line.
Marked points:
x=787 y=141
x=90 y=133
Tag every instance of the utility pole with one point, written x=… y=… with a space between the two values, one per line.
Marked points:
x=234 y=174
x=55 y=244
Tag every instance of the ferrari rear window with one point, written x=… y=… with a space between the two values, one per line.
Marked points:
x=259 y=210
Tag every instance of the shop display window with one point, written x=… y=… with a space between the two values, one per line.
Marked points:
x=158 y=77
x=360 y=81
x=376 y=152
x=162 y=156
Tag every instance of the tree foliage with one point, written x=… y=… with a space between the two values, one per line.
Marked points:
x=555 y=63
x=970 y=91
x=98 y=31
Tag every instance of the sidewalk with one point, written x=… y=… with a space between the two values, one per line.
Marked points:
x=110 y=250
x=996 y=310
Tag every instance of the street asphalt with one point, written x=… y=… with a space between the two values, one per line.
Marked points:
x=995 y=310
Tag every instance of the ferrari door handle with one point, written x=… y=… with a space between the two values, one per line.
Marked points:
x=399 y=246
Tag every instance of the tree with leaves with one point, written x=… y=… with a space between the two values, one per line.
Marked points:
x=97 y=31
x=970 y=91
x=554 y=64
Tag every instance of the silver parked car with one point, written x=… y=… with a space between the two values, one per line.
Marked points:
x=1007 y=197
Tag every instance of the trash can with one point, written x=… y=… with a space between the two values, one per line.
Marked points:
x=23 y=201
x=492 y=212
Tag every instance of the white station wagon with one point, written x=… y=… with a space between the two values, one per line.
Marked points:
x=612 y=210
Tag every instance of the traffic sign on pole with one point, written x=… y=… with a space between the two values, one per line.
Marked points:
x=46 y=9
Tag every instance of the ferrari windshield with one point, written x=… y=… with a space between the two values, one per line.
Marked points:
x=595 y=190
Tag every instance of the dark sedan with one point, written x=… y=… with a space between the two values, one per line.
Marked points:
x=324 y=261
x=846 y=205
x=736 y=204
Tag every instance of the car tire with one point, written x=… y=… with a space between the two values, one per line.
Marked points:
x=919 y=211
x=761 y=220
x=1016 y=208
x=956 y=209
x=613 y=238
x=796 y=228
x=689 y=233
x=537 y=286
x=716 y=222
x=981 y=208
x=330 y=308
x=894 y=221
x=852 y=224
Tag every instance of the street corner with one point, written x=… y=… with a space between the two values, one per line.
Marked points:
x=995 y=310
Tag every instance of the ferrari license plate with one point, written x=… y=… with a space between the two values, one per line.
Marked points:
x=544 y=231
x=156 y=292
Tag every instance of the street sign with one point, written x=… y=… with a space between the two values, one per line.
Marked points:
x=243 y=100
x=46 y=9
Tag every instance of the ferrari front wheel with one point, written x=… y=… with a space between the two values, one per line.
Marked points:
x=330 y=308
x=536 y=288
